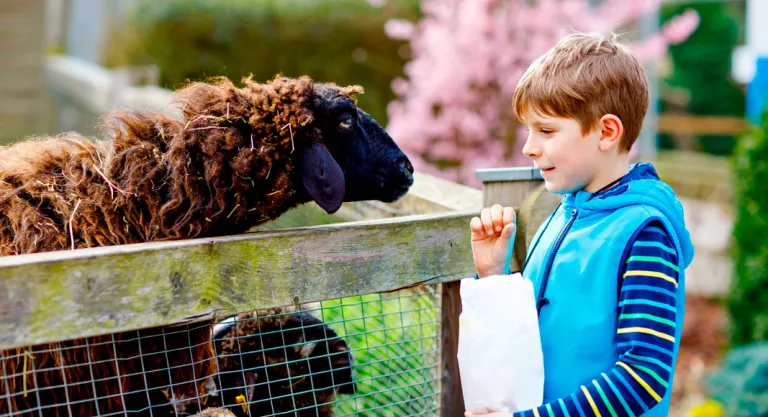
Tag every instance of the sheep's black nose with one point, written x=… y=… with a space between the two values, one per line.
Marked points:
x=406 y=164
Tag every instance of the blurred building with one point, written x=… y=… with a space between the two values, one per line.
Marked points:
x=22 y=51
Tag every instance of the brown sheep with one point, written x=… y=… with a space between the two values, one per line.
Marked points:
x=281 y=362
x=237 y=158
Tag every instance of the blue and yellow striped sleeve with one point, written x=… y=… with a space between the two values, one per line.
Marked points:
x=645 y=337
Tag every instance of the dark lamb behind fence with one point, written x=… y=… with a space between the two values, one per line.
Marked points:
x=282 y=363
x=238 y=156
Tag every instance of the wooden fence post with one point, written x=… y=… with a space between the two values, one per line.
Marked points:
x=508 y=186
x=523 y=189
x=451 y=395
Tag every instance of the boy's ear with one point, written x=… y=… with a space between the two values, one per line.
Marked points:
x=611 y=131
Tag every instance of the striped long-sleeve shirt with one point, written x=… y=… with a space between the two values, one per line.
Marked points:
x=645 y=337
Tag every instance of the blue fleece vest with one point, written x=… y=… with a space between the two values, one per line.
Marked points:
x=581 y=251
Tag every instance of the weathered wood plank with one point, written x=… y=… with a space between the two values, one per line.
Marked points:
x=25 y=6
x=428 y=194
x=22 y=56
x=22 y=37
x=22 y=106
x=685 y=124
x=22 y=46
x=67 y=294
x=22 y=24
x=305 y=215
x=23 y=82
x=17 y=127
x=21 y=19
x=433 y=194
x=508 y=186
x=451 y=394
x=11 y=120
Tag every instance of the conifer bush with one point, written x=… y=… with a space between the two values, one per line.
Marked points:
x=748 y=298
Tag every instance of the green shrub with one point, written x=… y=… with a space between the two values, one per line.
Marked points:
x=331 y=40
x=701 y=66
x=748 y=299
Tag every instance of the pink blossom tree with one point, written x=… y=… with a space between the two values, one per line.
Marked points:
x=453 y=111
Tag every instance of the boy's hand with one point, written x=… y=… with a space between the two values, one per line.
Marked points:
x=491 y=237
x=492 y=414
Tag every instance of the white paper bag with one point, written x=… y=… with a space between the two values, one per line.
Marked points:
x=500 y=358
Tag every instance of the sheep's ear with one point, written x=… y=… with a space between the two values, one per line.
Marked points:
x=322 y=176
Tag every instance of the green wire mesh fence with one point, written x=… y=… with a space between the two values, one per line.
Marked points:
x=394 y=338
x=371 y=355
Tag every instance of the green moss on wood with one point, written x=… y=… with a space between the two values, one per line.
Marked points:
x=70 y=294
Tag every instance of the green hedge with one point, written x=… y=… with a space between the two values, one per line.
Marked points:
x=748 y=299
x=740 y=382
x=331 y=40
x=701 y=65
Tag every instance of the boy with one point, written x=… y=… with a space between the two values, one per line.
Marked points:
x=608 y=265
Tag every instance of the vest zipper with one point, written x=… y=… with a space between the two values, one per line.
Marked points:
x=541 y=300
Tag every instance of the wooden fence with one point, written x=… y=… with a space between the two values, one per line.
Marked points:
x=59 y=296
x=687 y=124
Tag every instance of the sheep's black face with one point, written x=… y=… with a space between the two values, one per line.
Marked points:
x=370 y=165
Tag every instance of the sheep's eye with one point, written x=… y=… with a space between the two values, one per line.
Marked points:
x=346 y=124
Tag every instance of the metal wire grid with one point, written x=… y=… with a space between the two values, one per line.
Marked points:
x=107 y=375
x=394 y=338
x=373 y=355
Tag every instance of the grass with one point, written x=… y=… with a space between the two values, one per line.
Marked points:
x=394 y=338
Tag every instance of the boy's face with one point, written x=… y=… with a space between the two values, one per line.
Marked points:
x=568 y=159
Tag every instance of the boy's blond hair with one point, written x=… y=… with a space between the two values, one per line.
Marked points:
x=584 y=77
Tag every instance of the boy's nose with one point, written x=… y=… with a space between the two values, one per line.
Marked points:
x=530 y=150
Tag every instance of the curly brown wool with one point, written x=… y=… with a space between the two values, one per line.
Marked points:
x=222 y=169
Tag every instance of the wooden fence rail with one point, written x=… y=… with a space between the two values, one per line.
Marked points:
x=686 y=124
x=60 y=295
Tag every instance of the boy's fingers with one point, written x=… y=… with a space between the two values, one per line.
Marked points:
x=496 y=217
x=476 y=227
x=485 y=216
x=508 y=216
x=507 y=232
